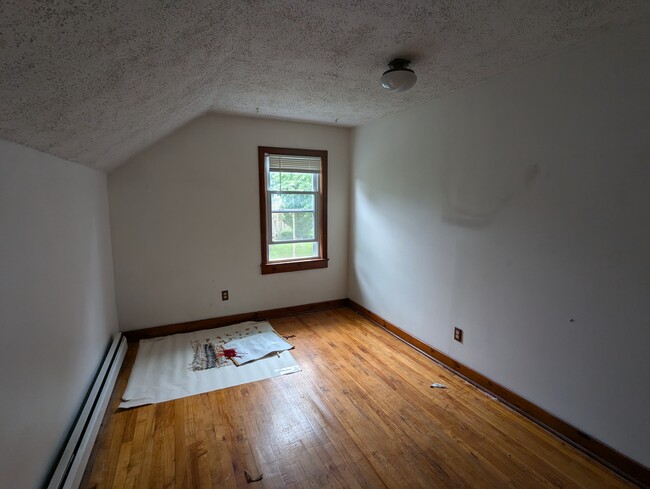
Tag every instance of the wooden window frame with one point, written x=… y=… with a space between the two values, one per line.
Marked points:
x=293 y=265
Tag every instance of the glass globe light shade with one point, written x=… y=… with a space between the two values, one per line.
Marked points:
x=399 y=78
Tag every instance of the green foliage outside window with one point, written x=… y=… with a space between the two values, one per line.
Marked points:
x=293 y=225
x=283 y=202
x=305 y=182
x=298 y=250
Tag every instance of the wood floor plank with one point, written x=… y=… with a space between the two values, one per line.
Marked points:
x=220 y=453
x=360 y=414
x=403 y=432
x=404 y=401
x=548 y=457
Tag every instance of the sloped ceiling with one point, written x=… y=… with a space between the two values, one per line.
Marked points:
x=96 y=81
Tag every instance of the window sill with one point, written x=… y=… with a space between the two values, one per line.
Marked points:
x=293 y=266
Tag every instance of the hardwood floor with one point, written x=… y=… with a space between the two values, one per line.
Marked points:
x=360 y=414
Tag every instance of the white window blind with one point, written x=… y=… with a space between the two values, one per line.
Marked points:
x=294 y=164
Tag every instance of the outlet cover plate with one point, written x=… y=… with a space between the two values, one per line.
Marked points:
x=458 y=335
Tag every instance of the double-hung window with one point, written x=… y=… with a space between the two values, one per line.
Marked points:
x=293 y=209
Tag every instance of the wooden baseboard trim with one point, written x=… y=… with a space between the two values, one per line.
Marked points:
x=621 y=464
x=187 y=327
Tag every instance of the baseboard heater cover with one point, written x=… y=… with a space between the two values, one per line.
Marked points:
x=72 y=463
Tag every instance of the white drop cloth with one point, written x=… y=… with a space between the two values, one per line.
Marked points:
x=161 y=371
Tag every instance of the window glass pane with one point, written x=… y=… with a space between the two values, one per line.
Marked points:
x=274 y=180
x=292 y=202
x=287 y=226
x=288 y=251
x=279 y=180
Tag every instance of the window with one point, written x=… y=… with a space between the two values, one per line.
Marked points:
x=293 y=209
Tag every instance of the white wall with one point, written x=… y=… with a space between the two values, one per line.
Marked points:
x=519 y=211
x=57 y=302
x=185 y=223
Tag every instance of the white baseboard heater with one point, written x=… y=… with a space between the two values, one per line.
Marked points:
x=70 y=468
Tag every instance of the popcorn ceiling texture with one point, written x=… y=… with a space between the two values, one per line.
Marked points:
x=95 y=81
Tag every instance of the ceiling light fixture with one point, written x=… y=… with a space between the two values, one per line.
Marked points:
x=399 y=78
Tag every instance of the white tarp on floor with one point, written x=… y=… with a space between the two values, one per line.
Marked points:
x=162 y=372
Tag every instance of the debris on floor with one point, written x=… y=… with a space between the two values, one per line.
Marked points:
x=436 y=385
x=250 y=478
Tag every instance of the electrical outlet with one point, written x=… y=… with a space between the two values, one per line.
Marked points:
x=458 y=335
x=224 y=295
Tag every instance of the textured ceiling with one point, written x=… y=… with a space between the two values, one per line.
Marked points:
x=95 y=81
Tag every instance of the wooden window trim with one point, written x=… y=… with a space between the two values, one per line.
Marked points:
x=297 y=264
